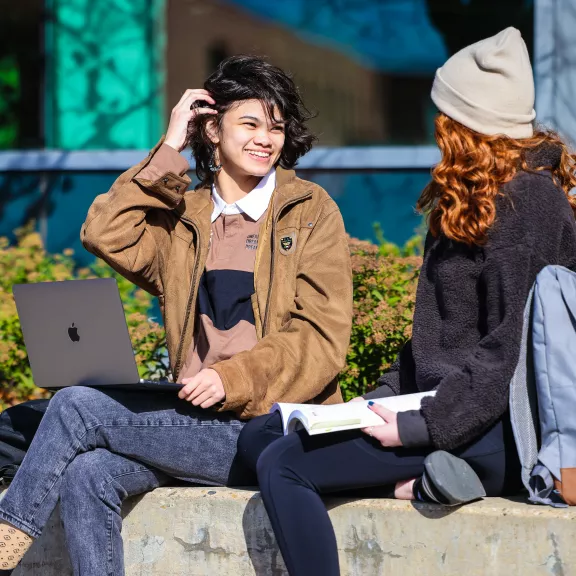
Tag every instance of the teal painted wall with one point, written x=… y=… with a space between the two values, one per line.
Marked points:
x=105 y=74
x=365 y=198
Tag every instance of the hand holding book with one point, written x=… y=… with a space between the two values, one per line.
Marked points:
x=387 y=434
x=352 y=415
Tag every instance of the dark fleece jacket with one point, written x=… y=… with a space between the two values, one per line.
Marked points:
x=469 y=307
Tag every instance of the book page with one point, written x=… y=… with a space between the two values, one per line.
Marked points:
x=321 y=419
x=403 y=403
x=287 y=409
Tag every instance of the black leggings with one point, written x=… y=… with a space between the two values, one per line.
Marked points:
x=294 y=470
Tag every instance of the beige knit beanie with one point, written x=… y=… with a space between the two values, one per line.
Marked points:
x=489 y=86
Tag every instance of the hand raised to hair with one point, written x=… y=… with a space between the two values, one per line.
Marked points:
x=181 y=115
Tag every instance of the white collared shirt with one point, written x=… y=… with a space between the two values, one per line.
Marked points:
x=255 y=203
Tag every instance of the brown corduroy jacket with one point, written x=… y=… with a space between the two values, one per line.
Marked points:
x=157 y=235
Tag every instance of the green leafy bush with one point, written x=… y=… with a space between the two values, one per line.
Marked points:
x=384 y=292
x=384 y=279
x=27 y=261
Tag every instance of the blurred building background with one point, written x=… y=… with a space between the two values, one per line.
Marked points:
x=86 y=87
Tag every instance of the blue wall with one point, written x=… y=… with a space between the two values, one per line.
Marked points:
x=365 y=198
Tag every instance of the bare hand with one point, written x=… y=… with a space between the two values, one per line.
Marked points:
x=181 y=115
x=204 y=390
x=387 y=434
x=357 y=399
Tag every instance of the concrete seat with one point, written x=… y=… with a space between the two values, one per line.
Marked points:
x=187 y=531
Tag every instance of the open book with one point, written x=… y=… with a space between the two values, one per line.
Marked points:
x=320 y=419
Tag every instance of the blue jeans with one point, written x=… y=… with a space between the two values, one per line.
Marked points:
x=95 y=448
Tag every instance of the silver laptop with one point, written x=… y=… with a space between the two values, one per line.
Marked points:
x=75 y=333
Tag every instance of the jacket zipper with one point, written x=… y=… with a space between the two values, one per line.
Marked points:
x=273 y=239
x=178 y=363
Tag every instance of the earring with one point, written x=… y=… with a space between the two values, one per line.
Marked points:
x=212 y=164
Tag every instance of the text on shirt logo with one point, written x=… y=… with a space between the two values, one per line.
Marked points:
x=252 y=242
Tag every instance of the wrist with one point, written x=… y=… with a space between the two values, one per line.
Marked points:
x=173 y=144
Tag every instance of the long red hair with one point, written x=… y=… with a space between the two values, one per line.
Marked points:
x=460 y=201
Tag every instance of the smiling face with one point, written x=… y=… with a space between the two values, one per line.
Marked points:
x=249 y=143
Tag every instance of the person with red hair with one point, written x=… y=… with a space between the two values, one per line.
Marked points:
x=499 y=210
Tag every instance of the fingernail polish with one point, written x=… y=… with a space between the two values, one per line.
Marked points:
x=370 y=403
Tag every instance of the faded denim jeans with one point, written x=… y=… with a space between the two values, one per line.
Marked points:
x=93 y=449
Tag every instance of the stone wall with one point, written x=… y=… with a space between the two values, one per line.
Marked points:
x=219 y=531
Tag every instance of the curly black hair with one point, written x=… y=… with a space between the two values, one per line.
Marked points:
x=251 y=78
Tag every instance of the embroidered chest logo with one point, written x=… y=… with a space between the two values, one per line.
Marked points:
x=286 y=243
x=252 y=242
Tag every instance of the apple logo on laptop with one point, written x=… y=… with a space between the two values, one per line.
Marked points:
x=73 y=333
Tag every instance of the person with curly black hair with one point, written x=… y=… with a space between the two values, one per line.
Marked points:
x=252 y=271
x=258 y=86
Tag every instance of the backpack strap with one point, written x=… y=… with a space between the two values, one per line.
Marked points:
x=523 y=401
x=536 y=478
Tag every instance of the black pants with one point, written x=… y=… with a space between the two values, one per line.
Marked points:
x=295 y=470
x=18 y=426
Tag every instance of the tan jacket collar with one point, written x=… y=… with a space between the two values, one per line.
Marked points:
x=197 y=201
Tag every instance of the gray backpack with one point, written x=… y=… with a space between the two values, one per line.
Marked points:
x=543 y=390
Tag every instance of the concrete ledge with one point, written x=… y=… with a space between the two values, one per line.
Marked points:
x=219 y=531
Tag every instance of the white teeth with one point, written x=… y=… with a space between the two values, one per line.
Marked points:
x=259 y=154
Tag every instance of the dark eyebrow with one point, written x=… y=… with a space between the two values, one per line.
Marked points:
x=258 y=119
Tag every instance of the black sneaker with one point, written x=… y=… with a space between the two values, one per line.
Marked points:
x=449 y=480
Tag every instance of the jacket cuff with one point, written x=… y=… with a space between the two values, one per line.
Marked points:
x=236 y=394
x=412 y=429
x=165 y=159
x=165 y=174
x=383 y=391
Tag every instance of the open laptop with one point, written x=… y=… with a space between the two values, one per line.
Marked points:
x=76 y=333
